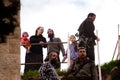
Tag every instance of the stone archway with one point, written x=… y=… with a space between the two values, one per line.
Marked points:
x=9 y=40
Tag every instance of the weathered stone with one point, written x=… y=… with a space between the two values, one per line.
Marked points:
x=10 y=49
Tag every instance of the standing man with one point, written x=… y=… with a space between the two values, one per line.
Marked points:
x=56 y=45
x=86 y=31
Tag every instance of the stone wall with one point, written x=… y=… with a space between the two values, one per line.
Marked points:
x=9 y=40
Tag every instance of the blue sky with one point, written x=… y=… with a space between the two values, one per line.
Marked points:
x=65 y=16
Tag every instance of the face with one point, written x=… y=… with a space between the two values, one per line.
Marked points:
x=50 y=33
x=40 y=30
x=25 y=35
x=81 y=52
x=72 y=38
x=93 y=18
x=54 y=59
x=54 y=55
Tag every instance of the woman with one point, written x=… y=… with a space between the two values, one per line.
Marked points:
x=36 y=51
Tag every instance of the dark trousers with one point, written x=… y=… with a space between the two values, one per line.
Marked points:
x=33 y=58
x=59 y=64
x=90 y=52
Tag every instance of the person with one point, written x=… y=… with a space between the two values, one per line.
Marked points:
x=25 y=41
x=56 y=46
x=86 y=32
x=47 y=70
x=115 y=71
x=73 y=49
x=37 y=42
x=82 y=68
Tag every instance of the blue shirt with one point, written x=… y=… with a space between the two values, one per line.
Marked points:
x=73 y=53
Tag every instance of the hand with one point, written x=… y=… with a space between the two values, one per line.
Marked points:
x=64 y=58
x=42 y=43
x=98 y=39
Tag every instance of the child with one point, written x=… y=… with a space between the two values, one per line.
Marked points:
x=25 y=41
x=73 y=49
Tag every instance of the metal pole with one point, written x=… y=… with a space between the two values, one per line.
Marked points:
x=115 y=50
x=99 y=66
x=48 y=43
x=118 y=31
x=116 y=45
x=118 y=55
x=68 y=51
x=32 y=63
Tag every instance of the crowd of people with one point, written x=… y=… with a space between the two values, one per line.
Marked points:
x=82 y=57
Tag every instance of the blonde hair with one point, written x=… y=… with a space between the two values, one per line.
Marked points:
x=75 y=43
x=72 y=36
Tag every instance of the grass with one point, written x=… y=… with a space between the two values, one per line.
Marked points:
x=105 y=69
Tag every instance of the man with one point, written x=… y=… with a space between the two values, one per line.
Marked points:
x=56 y=45
x=86 y=33
x=47 y=70
x=82 y=68
x=115 y=73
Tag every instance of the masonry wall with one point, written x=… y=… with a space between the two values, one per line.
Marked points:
x=9 y=40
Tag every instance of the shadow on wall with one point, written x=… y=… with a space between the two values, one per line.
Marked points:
x=8 y=21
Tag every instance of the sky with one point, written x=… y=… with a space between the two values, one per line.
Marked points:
x=65 y=16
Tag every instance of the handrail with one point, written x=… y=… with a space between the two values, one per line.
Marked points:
x=37 y=63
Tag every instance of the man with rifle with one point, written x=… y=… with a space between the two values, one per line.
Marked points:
x=87 y=36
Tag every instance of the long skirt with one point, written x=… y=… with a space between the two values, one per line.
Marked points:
x=33 y=61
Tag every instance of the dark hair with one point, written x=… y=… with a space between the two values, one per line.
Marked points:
x=91 y=15
x=49 y=55
x=25 y=33
x=50 y=29
x=52 y=32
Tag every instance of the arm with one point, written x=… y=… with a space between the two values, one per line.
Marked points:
x=66 y=56
x=61 y=47
x=43 y=42
x=90 y=30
